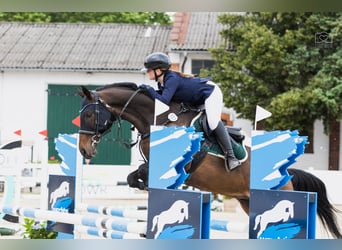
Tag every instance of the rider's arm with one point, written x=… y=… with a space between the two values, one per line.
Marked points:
x=166 y=93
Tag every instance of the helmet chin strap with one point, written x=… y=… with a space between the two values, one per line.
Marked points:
x=156 y=77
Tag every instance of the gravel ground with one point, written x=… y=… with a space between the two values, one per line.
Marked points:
x=232 y=213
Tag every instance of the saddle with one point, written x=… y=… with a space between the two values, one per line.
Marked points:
x=234 y=132
x=210 y=144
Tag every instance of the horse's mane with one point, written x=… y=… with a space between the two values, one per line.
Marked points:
x=129 y=85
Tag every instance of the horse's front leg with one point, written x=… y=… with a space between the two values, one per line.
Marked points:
x=139 y=177
x=288 y=186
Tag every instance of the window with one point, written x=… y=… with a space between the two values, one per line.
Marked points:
x=197 y=65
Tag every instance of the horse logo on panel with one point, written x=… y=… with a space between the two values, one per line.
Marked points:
x=61 y=191
x=281 y=212
x=177 y=213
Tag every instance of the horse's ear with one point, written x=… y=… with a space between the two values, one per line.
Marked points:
x=84 y=92
x=80 y=92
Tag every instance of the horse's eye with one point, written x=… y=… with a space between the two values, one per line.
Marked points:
x=88 y=114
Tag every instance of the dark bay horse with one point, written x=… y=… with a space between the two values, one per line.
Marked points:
x=125 y=101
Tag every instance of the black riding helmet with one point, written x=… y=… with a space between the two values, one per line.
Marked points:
x=157 y=60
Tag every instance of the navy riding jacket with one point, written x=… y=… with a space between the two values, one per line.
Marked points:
x=190 y=90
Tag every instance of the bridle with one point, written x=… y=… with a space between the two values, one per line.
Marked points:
x=102 y=125
x=104 y=121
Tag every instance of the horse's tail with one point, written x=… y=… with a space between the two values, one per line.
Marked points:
x=304 y=181
x=257 y=221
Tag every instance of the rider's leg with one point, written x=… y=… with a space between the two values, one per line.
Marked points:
x=226 y=145
x=213 y=106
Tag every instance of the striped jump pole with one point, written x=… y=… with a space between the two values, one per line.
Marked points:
x=107 y=233
x=136 y=212
x=236 y=227
x=76 y=219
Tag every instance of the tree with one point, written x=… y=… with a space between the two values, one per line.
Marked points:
x=87 y=17
x=288 y=63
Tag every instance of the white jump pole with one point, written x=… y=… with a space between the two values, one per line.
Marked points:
x=77 y=219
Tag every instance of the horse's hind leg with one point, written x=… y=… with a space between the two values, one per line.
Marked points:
x=244 y=203
x=288 y=186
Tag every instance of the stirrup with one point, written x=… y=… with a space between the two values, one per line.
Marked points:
x=231 y=166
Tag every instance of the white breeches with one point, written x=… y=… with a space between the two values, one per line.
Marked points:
x=213 y=106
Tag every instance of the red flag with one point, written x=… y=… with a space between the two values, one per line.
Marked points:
x=44 y=133
x=18 y=132
x=77 y=121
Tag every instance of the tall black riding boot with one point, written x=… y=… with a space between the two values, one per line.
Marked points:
x=223 y=140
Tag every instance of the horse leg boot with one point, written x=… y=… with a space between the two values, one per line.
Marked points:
x=223 y=140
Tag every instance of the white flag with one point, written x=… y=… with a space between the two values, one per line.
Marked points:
x=159 y=108
x=261 y=113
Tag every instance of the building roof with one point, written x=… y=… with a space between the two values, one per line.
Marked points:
x=197 y=31
x=79 y=47
x=102 y=47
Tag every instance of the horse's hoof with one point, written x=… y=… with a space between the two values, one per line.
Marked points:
x=141 y=186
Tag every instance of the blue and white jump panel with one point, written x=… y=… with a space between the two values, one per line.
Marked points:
x=273 y=152
x=64 y=191
x=274 y=213
x=282 y=214
x=173 y=213
x=178 y=214
x=171 y=149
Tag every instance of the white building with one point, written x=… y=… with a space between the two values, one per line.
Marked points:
x=36 y=56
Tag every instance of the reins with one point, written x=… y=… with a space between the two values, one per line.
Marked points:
x=127 y=145
x=129 y=101
x=184 y=108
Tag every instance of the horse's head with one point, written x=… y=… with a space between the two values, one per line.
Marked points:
x=96 y=120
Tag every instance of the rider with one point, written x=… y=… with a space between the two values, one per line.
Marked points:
x=192 y=90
